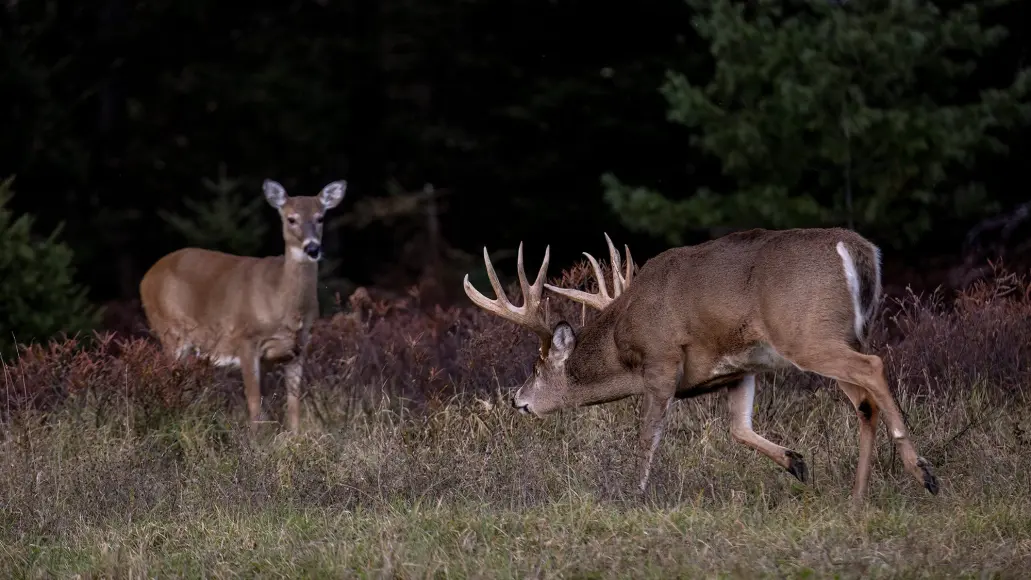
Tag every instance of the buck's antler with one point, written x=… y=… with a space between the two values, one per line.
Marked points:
x=620 y=282
x=527 y=315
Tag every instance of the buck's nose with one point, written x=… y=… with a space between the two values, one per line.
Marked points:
x=313 y=249
x=524 y=408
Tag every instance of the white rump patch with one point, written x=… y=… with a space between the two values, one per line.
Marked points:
x=876 y=283
x=852 y=279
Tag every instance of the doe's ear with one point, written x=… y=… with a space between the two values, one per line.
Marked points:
x=563 y=339
x=274 y=193
x=332 y=194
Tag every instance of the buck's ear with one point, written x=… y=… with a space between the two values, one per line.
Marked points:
x=274 y=193
x=332 y=194
x=563 y=339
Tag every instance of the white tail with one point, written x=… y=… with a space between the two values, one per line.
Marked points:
x=242 y=311
x=708 y=317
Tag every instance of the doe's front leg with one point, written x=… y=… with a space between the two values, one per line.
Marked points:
x=250 y=368
x=292 y=373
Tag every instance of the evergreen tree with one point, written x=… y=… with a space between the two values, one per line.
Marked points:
x=225 y=220
x=38 y=297
x=831 y=114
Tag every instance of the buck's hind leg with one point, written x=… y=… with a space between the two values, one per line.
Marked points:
x=839 y=361
x=868 y=412
x=741 y=398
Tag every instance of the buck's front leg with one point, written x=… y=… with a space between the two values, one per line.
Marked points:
x=292 y=372
x=654 y=409
x=741 y=398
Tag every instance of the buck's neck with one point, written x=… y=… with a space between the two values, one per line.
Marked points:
x=299 y=280
x=597 y=371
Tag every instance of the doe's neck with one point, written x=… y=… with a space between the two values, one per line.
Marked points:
x=300 y=275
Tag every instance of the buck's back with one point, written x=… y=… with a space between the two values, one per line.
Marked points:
x=735 y=282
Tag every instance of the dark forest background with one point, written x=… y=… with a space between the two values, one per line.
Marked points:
x=142 y=127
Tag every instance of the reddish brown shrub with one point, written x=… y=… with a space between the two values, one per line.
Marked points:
x=985 y=337
x=397 y=348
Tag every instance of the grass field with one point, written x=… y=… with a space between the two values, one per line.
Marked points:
x=410 y=464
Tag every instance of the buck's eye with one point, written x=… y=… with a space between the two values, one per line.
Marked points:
x=292 y=220
x=318 y=219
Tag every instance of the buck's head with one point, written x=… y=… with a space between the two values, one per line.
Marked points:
x=548 y=389
x=302 y=217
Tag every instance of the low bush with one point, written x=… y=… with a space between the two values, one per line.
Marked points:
x=397 y=350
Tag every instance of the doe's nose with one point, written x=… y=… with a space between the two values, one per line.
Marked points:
x=313 y=249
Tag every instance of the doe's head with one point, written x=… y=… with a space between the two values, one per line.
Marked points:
x=303 y=217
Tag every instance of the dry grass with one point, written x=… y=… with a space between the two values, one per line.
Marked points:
x=410 y=463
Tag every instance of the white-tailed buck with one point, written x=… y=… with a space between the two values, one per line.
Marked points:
x=702 y=318
x=244 y=311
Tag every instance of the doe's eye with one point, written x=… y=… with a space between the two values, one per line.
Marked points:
x=291 y=220
x=318 y=219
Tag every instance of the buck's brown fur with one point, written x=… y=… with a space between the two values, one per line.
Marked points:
x=243 y=311
x=701 y=318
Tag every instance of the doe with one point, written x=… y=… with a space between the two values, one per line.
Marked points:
x=244 y=311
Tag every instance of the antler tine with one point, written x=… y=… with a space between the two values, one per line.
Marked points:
x=542 y=273
x=536 y=290
x=499 y=291
x=528 y=314
x=597 y=301
x=524 y=286
x=497 y=305
x=617 y=278
x=602 y=298
x=533 y=293
x=629 y=267
x=602 y=290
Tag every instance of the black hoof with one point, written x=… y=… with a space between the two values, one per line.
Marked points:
x=930 y=480
x=796 y=465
